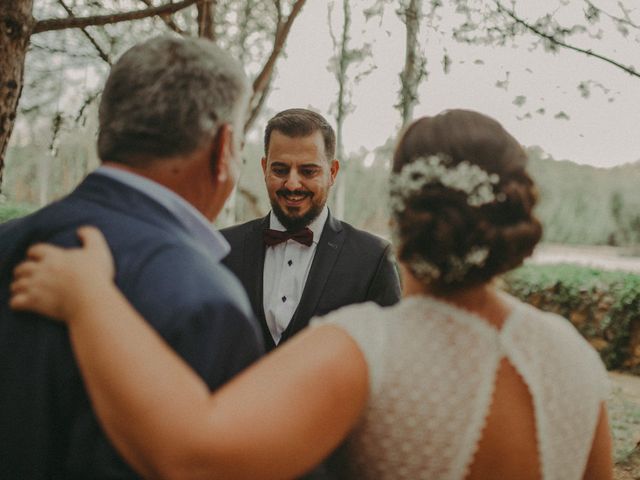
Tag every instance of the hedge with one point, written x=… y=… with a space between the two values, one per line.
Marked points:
x=603 y=305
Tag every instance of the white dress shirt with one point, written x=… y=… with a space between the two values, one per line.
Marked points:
x=286 y=268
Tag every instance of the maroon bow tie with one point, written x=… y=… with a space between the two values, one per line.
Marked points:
x=275 y=237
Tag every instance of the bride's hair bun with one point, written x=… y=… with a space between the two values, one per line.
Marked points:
x=462 y=201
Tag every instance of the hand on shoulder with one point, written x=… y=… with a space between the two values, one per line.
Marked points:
x=55 y=282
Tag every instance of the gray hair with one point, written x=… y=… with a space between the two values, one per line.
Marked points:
x=165 y=97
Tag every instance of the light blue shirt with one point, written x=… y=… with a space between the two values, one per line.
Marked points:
x=195 y=223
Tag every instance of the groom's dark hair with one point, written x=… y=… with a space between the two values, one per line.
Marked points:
x=300 y=122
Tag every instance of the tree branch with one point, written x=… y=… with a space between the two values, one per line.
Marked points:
x=629 y=69
x=278 y=6
x=64 y=51
x=166 y=18
x=81 y=22
x=87 y=101
x=101 y=53
x=282 y=31
x=257 y=106
x=205 y=19
x=626 y=21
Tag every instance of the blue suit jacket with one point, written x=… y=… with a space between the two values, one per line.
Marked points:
x=47 y=427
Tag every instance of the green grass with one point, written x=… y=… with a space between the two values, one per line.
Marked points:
x=624 y=418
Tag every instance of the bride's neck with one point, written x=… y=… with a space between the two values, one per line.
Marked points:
x=483 y=300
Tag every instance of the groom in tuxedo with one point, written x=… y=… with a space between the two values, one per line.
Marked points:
x=171 y=115
x=299 y=261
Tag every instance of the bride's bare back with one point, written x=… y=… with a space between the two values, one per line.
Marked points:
x=508 y=447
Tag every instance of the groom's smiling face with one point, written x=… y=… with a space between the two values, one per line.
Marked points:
x=298 y=177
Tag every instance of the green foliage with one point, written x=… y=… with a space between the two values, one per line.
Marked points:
x=580 y=204
x=13 y=210
x=603 y=305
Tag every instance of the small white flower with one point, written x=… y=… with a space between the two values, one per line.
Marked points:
x=423 y=269
x=464 y=177
x=477 y=256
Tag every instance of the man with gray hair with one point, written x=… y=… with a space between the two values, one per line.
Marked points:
x=170 y=120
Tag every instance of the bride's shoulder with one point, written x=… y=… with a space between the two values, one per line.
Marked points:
x=354 y=314
x=526 y=315
x=550 y=332
x=367 y=325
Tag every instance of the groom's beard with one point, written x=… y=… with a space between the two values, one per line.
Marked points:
x=294 y=223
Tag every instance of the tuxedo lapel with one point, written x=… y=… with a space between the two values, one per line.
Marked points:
x=327 y=251
x=253 y=271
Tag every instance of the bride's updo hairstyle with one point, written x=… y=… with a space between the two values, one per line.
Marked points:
x=461 y=200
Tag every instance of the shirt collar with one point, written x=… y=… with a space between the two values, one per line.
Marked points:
x=316 y=226
x=190 y=218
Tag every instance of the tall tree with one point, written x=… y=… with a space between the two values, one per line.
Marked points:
x=341 y=64
x=415 y=62
x=213 y=17
x=17 y=25
x=15 y=29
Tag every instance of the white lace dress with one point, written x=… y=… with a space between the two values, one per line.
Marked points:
x=432 y=368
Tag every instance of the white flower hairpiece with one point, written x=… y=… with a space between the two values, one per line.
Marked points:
x=457 y=267
x=464 y=177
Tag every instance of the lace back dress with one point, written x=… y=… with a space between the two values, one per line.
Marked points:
x=432 y=369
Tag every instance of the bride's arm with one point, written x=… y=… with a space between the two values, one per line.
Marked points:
x=275 y=420
x=600 y=462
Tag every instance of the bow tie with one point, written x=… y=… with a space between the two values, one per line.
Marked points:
x=275 y=237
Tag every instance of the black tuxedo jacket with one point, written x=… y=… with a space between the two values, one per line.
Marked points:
x=47 y=427
x=349 y=266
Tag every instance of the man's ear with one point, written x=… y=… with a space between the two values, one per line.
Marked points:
x=222 y=153
x=263 y=162
x=333 y=170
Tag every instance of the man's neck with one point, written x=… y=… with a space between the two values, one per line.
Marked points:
x=181 y=175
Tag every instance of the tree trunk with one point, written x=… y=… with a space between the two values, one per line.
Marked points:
x=16 y=23
x=205 y=19
x=413 y=67
x=341 y=75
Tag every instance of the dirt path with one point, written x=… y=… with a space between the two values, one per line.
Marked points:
x=624 y=416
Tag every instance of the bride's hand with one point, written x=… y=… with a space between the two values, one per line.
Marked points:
x=54 y=281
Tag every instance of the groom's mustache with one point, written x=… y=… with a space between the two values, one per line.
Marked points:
x=283 y=192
